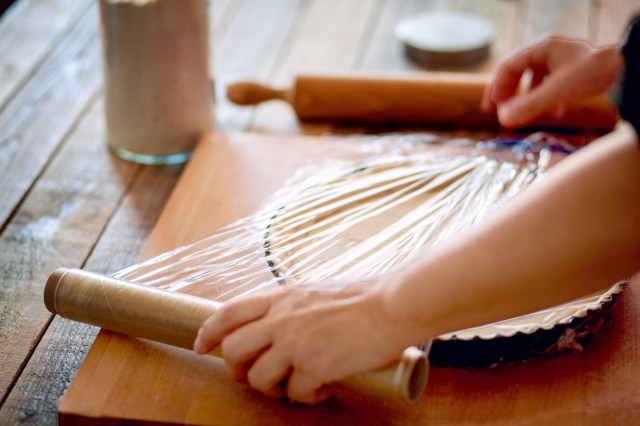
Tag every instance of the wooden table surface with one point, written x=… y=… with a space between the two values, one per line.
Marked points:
x=66 y=201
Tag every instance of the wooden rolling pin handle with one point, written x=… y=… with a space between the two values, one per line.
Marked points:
x=174 y=318
x=251 y=93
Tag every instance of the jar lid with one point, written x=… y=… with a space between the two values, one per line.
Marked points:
x=446 y=38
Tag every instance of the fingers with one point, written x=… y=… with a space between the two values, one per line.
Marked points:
x=251 y=358
x=227 y=319
x=269 y=372
x=307 y=390
x=247 y=343
x=507 y=79
x=549 y=97
x=269 y=375
x=537 y=78
x=258 y=341
x=564 y=72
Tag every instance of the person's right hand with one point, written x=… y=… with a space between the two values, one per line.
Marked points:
x=298 y=340
x=563 y=71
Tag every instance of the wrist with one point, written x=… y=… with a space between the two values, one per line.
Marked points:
x=404 y=314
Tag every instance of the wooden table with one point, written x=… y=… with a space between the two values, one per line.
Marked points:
x=66 y=201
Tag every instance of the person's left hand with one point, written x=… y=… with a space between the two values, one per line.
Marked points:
x=299 y=340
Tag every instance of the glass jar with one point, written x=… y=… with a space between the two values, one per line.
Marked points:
x=157 y=87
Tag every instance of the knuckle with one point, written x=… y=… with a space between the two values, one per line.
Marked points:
x=555 y=36
x=288 y=340
x=229 y=350
x=226 y=313
x=266 y=375
x=309 y=366
x=553 y=39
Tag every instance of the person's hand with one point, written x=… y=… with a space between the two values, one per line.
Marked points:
x=563 y=73
x=299 y=340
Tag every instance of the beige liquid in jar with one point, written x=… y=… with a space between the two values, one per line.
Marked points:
x=158 y=92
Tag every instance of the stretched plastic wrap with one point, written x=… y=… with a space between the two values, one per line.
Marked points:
x=339 y=220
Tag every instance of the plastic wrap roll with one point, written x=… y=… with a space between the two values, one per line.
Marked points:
x=175 y=318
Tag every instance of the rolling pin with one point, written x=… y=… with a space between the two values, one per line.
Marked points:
x=174 y=318
x=429 y=98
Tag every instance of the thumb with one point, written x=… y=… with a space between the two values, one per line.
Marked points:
x=522 y=110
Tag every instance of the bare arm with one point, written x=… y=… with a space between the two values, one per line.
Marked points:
x=574 y=233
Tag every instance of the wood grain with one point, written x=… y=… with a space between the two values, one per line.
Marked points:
x=313 y=47
x=66 y=343
x=47 y=106
x=611 y=18
x=260 y=31
x=597 y=384
x=567 y=17
x=383 y=52
x=56 y=225
x=17 y=36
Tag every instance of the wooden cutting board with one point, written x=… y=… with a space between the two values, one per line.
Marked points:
x=127 y=380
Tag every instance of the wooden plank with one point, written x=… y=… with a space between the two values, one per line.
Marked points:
x=384 y=52
x=326 y=38
x=612 y=18
x=126 y=235
x=567 y=17
x=220 y=14
x=57 y=225
x=249 y=50
x=36 y=119
x=35 y=397
x=131 y=379
x=28 y=32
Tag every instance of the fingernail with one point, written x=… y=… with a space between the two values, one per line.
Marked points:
x=197 y=346
x=507 y=115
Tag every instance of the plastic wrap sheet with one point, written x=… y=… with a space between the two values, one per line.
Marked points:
x=345 y=219
x=399 y=194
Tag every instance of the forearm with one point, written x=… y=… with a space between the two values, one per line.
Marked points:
x=574 y=233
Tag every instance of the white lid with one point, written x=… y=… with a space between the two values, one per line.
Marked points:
x=445 y=32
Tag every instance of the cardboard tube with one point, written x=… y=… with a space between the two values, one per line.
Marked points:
x=429 y=98
x=174 y=318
